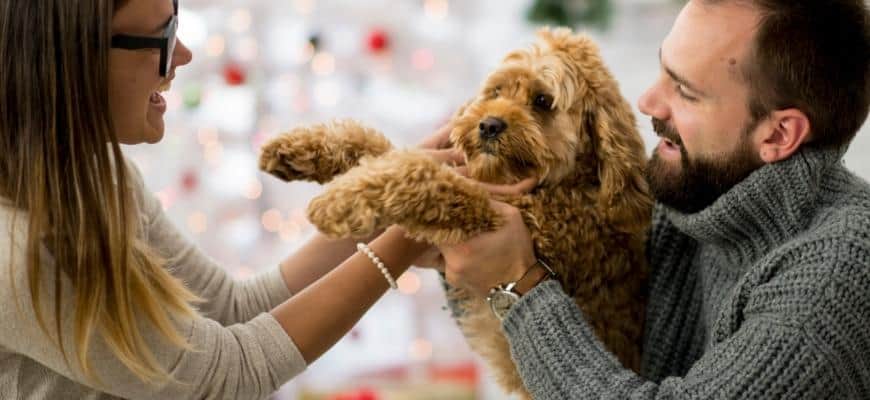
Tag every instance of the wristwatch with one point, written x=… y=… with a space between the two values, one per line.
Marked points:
x=502 y=297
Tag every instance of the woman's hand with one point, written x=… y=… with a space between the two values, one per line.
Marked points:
x=438 y=140
x=522 y=187
x=438 y=146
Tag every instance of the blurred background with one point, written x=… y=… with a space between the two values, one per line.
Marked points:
x=264 y=66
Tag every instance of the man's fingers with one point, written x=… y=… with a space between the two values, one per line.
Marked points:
x=521 y=187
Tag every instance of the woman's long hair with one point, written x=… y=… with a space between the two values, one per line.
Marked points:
x=62 y=168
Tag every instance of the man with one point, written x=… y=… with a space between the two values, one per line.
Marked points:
x=759 y=249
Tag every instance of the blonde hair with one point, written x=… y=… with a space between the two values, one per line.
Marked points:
x=62 y=165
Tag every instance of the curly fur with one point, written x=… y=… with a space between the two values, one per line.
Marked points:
x=588 y=216
x=320 y=152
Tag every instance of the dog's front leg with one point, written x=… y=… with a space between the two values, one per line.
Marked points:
x=431 y=201
x=322 y=151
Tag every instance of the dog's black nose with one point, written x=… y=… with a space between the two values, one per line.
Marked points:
x=491 y=127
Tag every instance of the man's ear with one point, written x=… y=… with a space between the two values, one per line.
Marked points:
x=784 y=133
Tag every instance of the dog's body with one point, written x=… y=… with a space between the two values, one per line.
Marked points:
x=553 y=112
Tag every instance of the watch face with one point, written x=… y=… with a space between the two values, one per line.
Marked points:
x=501 y=301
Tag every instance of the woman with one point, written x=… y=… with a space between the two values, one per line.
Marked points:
x=97 y=289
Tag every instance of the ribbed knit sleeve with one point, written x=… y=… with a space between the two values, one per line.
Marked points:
x=559 y=357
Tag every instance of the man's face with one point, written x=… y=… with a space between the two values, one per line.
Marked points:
x=699 y=106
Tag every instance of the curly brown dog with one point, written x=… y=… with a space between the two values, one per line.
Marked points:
x=552 y=111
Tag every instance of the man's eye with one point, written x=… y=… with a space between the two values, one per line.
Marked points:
x=682 y=92
x=543 y=102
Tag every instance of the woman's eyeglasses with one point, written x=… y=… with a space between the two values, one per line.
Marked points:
x=166 y=41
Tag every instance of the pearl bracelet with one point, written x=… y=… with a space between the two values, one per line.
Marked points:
x=363 y=248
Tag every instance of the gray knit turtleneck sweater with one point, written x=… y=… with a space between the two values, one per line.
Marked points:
x=765 y=294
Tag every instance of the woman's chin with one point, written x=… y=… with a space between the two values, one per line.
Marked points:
x=153 y=136
x=154 y=128
x=149 y=133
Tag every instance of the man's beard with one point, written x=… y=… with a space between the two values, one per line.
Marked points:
x=698 y=182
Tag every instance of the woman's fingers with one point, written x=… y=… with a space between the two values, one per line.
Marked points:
x=449 y=156
x=438 y=140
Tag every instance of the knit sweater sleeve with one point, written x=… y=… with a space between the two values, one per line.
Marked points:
x=227 y=300
x=559 y=357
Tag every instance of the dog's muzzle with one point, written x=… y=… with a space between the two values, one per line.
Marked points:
x=491 y=127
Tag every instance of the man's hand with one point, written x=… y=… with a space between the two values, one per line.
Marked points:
x=439 y=147
x=491 y=258
x=431 y=259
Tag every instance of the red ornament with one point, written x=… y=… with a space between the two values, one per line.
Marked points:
x=377 y=40
x=359 y=394
x=234 y=75
x=366 y=394
x=189 y=181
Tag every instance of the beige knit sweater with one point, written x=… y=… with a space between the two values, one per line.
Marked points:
x=243 y=353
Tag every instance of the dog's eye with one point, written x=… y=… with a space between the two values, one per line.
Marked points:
x=495 y=92
x=543 y=102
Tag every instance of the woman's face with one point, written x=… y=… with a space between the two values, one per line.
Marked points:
x=134 y=75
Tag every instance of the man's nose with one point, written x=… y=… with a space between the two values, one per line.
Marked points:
x=652 y=103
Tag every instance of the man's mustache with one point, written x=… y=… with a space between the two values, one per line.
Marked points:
x=664 y=130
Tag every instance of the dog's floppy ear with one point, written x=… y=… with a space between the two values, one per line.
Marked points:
x=624 y=194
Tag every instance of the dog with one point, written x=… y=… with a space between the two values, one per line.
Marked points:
x=552 y=111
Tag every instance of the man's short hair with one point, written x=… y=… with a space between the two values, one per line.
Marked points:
x=811 y=55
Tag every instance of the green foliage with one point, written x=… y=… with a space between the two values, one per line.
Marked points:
x=595 y=13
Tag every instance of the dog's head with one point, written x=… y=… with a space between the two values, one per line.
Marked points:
x=554 y=111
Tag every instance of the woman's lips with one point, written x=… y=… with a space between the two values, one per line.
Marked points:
x=158 y=102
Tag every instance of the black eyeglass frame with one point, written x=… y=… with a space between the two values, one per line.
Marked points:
x=166 y=41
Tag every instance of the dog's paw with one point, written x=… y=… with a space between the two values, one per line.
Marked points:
x=294 y=156
x=321 y=152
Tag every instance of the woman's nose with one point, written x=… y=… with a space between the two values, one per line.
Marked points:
x=182 y=56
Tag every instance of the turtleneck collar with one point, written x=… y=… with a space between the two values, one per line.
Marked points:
x=769 y=207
